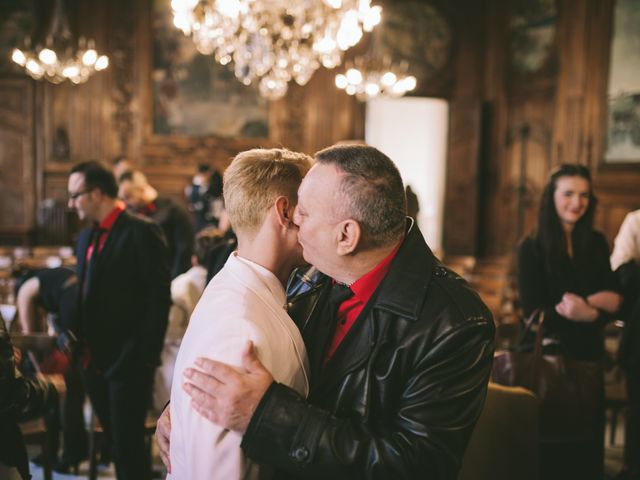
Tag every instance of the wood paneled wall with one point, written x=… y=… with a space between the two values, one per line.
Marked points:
x=530 y=124
x=111 y=115
x=497 y=120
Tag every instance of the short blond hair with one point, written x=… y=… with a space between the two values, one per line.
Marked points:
x=256 y=178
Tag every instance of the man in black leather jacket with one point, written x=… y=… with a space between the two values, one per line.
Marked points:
x=400 y=395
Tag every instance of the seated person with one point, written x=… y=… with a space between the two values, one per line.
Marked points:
x=20 y=399
x=186 y=290
x=244 y=302
x=56 y=291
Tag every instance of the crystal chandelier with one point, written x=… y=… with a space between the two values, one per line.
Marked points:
x=369 y=77
x=60 y=58
x=275 y=40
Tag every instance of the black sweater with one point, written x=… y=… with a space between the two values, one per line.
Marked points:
x=540 y=287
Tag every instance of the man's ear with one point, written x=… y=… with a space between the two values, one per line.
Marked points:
x=284 y=211
x=349 y=234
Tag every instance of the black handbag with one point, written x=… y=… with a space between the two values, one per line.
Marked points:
x=569 y=391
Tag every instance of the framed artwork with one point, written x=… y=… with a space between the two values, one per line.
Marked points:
x=533 y=49
x=532 y=29
x=192 y=94
x=623 y=95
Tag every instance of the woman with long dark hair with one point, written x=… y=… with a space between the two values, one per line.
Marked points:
x=563 y=269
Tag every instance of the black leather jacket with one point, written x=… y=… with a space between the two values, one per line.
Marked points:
x=401 y=395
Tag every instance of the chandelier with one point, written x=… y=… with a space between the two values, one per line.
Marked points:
x=368 y=77
x=60 y=58
x=274 y=41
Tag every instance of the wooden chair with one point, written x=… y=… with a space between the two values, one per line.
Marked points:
x=35 y=432
x=615 y=392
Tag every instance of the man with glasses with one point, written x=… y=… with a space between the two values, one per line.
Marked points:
x=124 y=298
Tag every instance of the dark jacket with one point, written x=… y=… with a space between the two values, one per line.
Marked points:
x=542 y=286
x=123 y=316
x=629 y=349
x=177 y=226
x=401 y=395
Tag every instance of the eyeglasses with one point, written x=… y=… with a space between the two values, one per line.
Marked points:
x=75 y=196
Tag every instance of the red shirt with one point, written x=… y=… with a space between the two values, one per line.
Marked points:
x=148 y=210
x=106 y=226
x=350 y=309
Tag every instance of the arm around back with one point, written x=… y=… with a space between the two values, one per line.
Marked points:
x=439 y=385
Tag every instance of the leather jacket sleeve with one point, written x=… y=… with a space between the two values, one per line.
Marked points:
x=440 y=398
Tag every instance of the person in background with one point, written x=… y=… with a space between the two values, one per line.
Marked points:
x=625 y=260
x=563 y=269
x=204 y=197
x=56 y=290
x=244 y=302
x=186 y=290
x=142 y=198
x=121 y=165
x=124 y=298
x=400 y=348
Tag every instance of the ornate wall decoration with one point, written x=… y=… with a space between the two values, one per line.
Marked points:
x=532 y=31
x=122 y=66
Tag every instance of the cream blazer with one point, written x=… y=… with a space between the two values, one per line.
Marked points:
x=244 y=301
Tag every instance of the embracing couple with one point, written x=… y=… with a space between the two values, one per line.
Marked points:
x=378 y=369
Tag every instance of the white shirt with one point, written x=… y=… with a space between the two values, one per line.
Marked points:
x=244 y=301
x=627 y=243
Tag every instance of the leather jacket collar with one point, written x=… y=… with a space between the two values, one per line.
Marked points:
x=409 y=274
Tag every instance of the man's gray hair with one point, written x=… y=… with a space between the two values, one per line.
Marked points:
x=371 y=192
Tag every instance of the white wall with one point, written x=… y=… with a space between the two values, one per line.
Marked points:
x=413 y=133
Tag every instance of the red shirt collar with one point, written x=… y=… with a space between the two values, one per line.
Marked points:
x=364 y=287
x=110 y=219
x=148 y=209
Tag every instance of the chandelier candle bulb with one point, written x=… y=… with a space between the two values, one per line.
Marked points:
x=89 y=58
x=102 y=62
x=18 y=57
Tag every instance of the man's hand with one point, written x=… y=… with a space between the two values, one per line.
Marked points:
x=163 y=433
x=225 y=396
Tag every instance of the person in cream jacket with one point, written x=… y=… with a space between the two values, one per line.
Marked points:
x=244 y=302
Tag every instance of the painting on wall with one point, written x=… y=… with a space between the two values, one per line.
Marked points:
x=532 y=29
x=623 y=122
x=195 y=96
